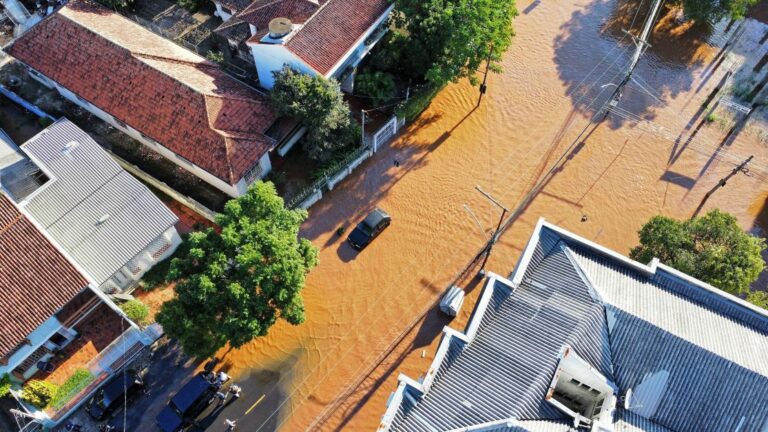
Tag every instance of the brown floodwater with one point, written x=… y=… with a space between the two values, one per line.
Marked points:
x=622 y=173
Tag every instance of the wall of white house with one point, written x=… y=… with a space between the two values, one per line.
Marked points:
x=231 y=190
x=221 y=13
x=270 y=58
x=38 y=337
x=161 y=248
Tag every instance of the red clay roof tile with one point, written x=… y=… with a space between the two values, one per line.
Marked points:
x=174 y=96
x=333 y=30
x=36 y=280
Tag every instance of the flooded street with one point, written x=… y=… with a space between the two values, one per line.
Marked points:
x=615 y=177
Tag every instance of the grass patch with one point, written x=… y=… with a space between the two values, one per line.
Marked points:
x=417 y=103
x=73 y=385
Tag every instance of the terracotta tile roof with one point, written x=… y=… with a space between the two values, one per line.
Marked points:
x=333 y=30
x=261 y=12
x=177 y=98
x=36 y=280
x=235 y=5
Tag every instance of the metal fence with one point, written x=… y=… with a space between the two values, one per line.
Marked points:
x=340 y=170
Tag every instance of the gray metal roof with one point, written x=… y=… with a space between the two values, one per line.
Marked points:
x=99 y=214
x=685 y=357
x=506 y=371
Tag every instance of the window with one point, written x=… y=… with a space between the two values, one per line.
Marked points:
x=252 y=174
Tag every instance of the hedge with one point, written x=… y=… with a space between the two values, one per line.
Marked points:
x=74 y=384
x=38 y=393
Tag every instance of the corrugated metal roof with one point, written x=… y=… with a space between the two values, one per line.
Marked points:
x=711 y=354
x=684 y=357
x=97 y=212
x=506 y=371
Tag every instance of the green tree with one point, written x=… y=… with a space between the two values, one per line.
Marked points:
x=117 y=4
x=712 y=248
x=712 y=11
x=319 y=104
x=233 y=284
x=758 y=298
x=456 y=36
x=5 y=385
x=379 y=86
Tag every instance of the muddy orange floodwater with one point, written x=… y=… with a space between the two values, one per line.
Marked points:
x=615 y=177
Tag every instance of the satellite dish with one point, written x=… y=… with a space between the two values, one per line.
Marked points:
x=279 y=27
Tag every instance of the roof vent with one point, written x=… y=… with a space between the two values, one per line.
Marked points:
x=279 y=27
x=102 y=219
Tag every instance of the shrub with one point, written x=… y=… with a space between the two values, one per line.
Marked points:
x=379 y=86
x=78 y=381
x=711 y=118
x=215 y=56
x=135 y=310
x=38 y=393
x=5 y=385
x=418 y=102
x=190 y=5
x=157 y=275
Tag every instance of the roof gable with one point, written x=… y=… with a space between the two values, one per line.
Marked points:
x=167 y=93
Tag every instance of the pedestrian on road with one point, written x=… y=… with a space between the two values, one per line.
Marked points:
x=221 y=378
x=230 y=424
x=221 y=397
x=235 y=390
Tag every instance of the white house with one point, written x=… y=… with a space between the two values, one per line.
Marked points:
x=112 y=225
x=325 y=37
x=172 y=100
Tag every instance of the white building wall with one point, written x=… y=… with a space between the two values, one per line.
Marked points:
x=158 y=250
x=271 y=57
x=231 y=190
x=221 y=13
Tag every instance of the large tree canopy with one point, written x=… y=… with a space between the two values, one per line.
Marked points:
x=456 y=36
x=232 y=286
x=319 y=104
x=712 y=248
x=713 y=11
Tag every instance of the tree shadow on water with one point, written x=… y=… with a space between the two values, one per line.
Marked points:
x=593 y=52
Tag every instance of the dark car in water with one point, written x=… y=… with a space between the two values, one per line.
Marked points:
x=186 y=405
x=114 y=393
x=367 y=230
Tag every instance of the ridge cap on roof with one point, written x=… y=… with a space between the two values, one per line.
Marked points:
x=657 y=269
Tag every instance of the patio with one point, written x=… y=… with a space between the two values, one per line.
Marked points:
x=95 y=333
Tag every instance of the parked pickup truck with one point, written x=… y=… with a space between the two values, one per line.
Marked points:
x=186 y=405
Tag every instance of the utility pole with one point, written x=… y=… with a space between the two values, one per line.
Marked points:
x=484 y=86
x=497 y=231
x=362 y=138
x=641 y=43
x=741 y=168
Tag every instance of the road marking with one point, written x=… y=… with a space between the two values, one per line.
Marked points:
x=255 y=403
